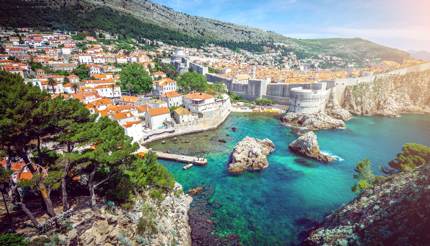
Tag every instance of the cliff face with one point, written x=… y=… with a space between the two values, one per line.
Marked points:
x=149 y=222
x=390 y=96
x=396 y=212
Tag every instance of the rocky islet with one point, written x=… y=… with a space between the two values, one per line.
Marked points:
x=250 y=154
x=307 y=145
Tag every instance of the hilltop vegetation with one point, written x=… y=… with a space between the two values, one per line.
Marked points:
x=67 y=152
x=145 y=19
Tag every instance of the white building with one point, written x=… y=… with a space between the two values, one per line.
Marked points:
x=172 y=98
x=85 y=59
x=109 y=91
x=121 y=60
x=182 y=115
x=95 y=69
x=157 y=118
x=163 y=86
x=200 y=103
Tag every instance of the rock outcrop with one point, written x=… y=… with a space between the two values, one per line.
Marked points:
x=312 y=122
x=307 y=145
x=334 y=110
x=149 y=222
x=250 y=154
x=395 y=212
x=390 y=96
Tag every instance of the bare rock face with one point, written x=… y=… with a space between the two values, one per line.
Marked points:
x=394 y=212
x=312 y=122
x=334 y=110
x=307 y=145
x=250 y=154
x=390 y=96
x=166 y=221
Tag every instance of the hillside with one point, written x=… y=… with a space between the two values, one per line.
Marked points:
x=145 y=19
x=422 y=55
x=392 y=213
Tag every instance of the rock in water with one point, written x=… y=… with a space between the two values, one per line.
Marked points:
x=307 y=145
x=250 y=154
x=312 y=122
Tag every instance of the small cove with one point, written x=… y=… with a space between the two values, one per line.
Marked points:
x=273 y=207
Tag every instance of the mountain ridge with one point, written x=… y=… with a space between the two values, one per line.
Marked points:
x=146 y=19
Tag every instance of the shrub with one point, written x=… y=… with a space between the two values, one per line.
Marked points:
x=412 y=156
x=364 y=176
x=264 y=102
x=147 y=224
x=12 y=239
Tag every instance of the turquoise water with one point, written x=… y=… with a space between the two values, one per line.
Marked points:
x=272 y=207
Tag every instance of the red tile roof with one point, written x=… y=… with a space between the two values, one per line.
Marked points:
x=158 y=111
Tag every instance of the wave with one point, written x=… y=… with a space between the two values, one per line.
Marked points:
x=338 y=158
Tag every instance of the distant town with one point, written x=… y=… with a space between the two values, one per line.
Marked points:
x=88 y=67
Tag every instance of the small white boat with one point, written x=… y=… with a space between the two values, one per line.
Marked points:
x=188 y=166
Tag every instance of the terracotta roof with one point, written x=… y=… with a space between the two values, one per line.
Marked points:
x=122 y=115
x=159 y=73
x=99 y=76
x=119 y=108
x=158 y=111
x=82 y=95
x=131 y=99
x=103 y=113
x=142 y=108
x=16 y=168
x=171 y=94
x=165 y=81
x=98 y=81
x=131 y=123
x=198 y=96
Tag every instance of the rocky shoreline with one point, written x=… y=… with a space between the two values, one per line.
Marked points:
x=250 y=154
x=307 y=145
x=311 y=122
x=383 y=215
x=202 y=226
x=390 y=96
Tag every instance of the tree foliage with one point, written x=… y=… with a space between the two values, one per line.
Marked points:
x=264 y=102
x=168 y=69
x=12 y=239
x=216 y=89
x=364 y=176
x=18 y=102
x=135 y=79
x=192 y=81
x=58 y=139
x=147 y=172
x=82 y=71
x=413 y=155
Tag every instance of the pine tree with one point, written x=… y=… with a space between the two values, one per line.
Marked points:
x=111 y=151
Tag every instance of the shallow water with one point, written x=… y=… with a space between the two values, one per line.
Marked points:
x=274 y=206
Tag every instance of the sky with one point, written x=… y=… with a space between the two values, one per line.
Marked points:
x=403 y=24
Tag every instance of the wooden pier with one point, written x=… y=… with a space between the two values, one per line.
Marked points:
x=182 y=158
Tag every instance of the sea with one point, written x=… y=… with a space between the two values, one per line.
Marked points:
x=279 y=204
